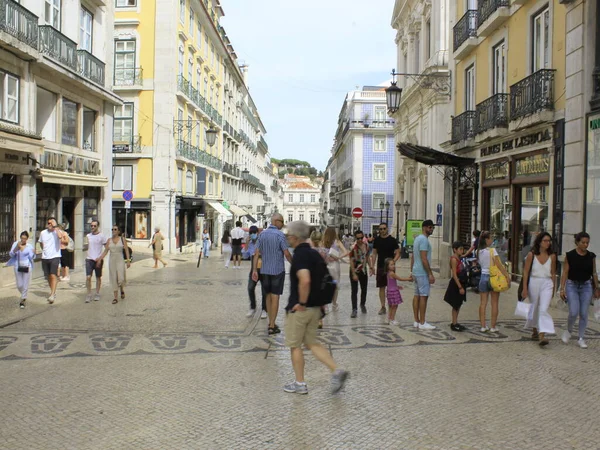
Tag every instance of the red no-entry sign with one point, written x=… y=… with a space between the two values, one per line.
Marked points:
x=357 y=213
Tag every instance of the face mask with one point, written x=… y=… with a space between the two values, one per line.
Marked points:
x=254 y=236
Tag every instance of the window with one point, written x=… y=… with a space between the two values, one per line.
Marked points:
x=529 y=194
x=378 y=201
x=180 y=179
x=191 y=24
x=290 y=217
x=189 y=124
x=205 y=88
x=189 y=182
x=85 y=30
x=69 y=122
x=312 y=217
x=125 y=3
x=89 y=130
x=380 y=116
x=46 y=114
x=9 y=97
x=470 y=88
x=198 y=136
x=122 y=178
x=541 y=35
x=182 y=11
x=212 y=56
x=379 y=172
x=301 y=199
x=206 y=45
x=199 y=34
x=52 y=13
x=291 y=198
x=499 y=58
x=379 y=144
x=124 y=63
x=181 y=59
x=190 y=70
x=212 y=89
x=428 y=50
x=123 y=123
x=417 y=48
x=313 y=198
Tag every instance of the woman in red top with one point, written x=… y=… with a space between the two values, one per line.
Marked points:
x=456 y=294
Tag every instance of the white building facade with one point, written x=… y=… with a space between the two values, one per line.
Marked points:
x=301 y=199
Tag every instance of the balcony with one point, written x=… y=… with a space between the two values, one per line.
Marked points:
x=465 y=34
x=491 y=114
x=132 y=146
x=128 y=78
x=193 y=153
x=227 y=128
x=19 y=22
x=90 y=67
x=492 y=14
x=532 y=97
x=347 y=184
x=232 y=170
x=58 y=47
x=463 y=128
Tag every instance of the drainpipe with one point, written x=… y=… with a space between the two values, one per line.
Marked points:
x=595 y=101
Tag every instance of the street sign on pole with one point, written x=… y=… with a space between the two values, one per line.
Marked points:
x=438 y=220
x=127 y=205
x=127 y=196
x=440 y=208
x=357 y=213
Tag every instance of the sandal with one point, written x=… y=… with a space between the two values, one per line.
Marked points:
x=271 y=331
x=115 y=301
x=122 y=295
x=535 y=335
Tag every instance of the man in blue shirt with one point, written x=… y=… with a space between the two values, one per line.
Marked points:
x=420 y=264
x=272 y=248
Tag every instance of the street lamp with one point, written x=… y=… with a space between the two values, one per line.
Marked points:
x=398 y=205
x=211 y=136
x=393 y=95
x=406 y=208
x=380 y=211
x=387 y=212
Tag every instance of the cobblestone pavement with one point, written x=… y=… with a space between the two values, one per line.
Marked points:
x=178 y=365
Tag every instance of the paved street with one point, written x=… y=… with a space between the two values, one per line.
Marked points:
x=178 y=365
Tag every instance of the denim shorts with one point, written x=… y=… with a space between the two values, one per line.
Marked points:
x=484 y=283
x=422 y=286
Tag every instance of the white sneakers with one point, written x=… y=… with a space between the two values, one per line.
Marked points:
x=494 y=330
x=250 y=312
x=263 y=315
x=484 y=329
x=426 y=326
x=393 y=322
x=416 y=324
x=582 y=343
x=566 y=336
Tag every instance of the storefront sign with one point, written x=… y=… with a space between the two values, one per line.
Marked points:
x=414 y=229
x=70 y=163
x=519 y=142
x=495 y=171
x=9 y=157
x=533 y=166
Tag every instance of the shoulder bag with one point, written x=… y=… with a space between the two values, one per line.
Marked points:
x=498 y=281
x=20 y=268
x=520 y=289
x=129 y=248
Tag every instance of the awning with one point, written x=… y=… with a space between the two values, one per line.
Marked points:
x=219 y=208
x=72 y=179
x=237 y=210
x=431 y=157
x=251 y=219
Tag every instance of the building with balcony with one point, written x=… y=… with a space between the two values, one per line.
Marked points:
x=508 y=100
x=422 y=40
x=55 y=107
x=179 y=76
x=362 y=171
x=301 y=199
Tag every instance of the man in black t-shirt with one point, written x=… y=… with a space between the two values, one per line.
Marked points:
x=385 y=246
x=304 y=309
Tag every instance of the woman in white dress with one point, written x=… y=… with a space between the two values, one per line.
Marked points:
x=119 y=257
x=226 y=248
x=336 y=251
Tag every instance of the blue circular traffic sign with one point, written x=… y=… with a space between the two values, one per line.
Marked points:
x=127 y=196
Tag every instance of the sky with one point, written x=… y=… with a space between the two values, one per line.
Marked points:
x=303 y=57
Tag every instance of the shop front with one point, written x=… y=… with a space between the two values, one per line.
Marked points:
x=135 y=221
x=516 y=196
x=592 y=203
x=187 y=210
x=217 y=217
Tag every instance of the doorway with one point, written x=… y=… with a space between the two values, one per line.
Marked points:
x=531 y=219
x=68 y=222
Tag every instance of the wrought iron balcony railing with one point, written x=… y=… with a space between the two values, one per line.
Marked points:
x=232 y=170
x=492 y=113
x=134 y=145
x=58 y=47
x=19 y=22
x=347 y=184
x=463 y=127
x=193 y=153
x=486 y=8
x=532 y=94
x=90 y=67
x=465 y=28
x=128 y=76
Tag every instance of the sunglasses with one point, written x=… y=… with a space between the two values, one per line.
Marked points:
x=382 y=229
x=50 y=223
x=93 y=226
x=115 y=229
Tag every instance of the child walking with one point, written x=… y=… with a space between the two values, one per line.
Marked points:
x=456 y=294
x=393 y=291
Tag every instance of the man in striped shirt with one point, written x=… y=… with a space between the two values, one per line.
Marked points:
x=273 y=248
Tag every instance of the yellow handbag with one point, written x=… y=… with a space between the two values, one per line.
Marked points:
x=498 y=281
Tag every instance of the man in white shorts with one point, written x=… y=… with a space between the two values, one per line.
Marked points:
x=95 y=247
x=50 y=240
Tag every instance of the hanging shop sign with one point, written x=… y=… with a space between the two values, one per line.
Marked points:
x=70 y=163
x=536 y=165
x=518 y=142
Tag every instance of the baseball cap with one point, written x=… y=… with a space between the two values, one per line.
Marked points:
x=428 y=223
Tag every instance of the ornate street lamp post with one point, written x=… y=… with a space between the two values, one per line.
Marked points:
x=406 y=208
x=387 y=212
x=380 y=211
x=398 y=205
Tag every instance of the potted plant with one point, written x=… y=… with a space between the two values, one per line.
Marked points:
x=366 y=118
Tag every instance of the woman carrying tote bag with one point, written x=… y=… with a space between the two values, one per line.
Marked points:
x=538 y=284
x=21 y=256
x=488 y=258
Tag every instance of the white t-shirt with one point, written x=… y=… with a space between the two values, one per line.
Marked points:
x=485 y=260
x=50 y=244
x=237 y=233
x=95 y=245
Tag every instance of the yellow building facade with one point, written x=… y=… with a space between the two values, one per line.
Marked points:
x=508 y=71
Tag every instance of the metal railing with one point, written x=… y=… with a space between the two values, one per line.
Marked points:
x=347 y=184
x=486 y=8
x=134 y=146
x=465 y=28
x=492 y=113
x=19 y=22
x=90 y=67
x=128 y=76
x=532 y=94
x=231 y=169
x=463 y=127
x=57 y=46
x=193 y=153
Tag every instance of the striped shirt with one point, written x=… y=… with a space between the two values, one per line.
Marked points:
x=271 y=244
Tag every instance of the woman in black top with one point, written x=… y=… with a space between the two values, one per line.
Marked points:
x=579 y=282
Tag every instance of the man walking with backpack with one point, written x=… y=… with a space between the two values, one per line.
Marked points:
x=304 y=309
x=237 y=236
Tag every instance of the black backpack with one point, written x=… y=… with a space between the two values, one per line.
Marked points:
x=326 y=285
